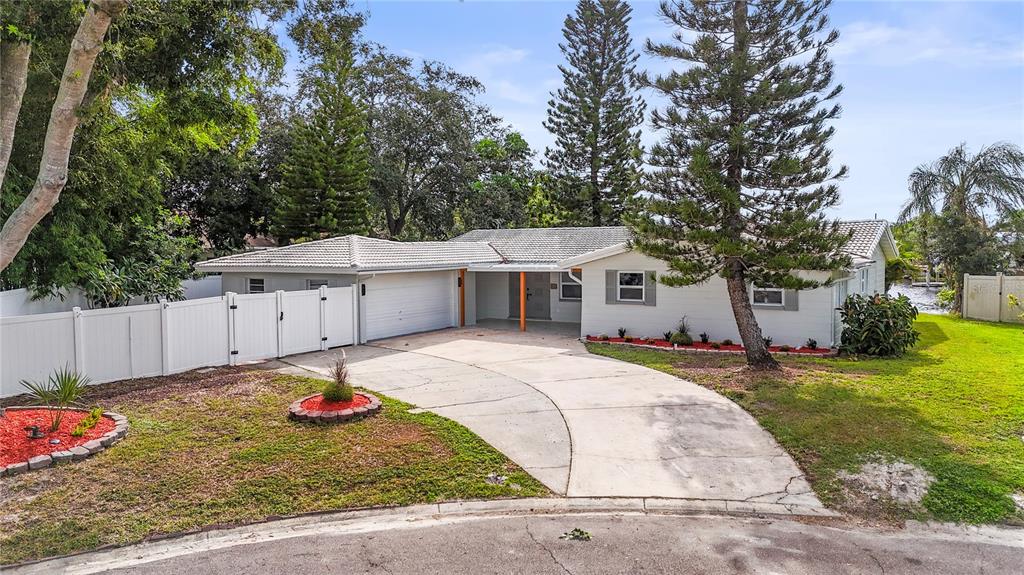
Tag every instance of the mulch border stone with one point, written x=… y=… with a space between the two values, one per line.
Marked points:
x=297 y=413
x=77 y=453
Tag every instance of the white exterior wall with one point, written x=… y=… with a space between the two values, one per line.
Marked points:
x=705 y=306
x=567 y=311
x=491 y=295
x=236 y=281
x=470 y=298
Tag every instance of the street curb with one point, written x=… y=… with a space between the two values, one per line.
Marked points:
x=377 y=518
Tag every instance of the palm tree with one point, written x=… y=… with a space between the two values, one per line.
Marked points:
x=967 y=185
x=968 y=188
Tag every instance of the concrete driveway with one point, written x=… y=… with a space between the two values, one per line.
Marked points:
x=584 y=425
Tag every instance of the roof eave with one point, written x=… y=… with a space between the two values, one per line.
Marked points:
x=606 y=252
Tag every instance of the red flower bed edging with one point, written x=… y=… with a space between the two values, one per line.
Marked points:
x=698 y=346
x=314 y=409
x=22 y=454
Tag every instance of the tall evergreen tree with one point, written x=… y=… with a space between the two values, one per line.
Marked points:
x=325 y=186
x=596 y=114
x=742 y=175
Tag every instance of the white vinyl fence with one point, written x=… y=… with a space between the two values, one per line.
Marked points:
x=20 y=302
x=171 y=337
x=985 y=297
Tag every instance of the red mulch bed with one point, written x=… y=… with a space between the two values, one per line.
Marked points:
x=707 y=346
x=318 y=403
x=15 y=446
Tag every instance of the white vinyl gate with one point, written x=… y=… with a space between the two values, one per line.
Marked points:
x=987 y=297
x=171 y=337
x=396 y=304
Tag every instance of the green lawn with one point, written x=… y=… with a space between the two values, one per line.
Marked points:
x=954 y=406
x=216 y=448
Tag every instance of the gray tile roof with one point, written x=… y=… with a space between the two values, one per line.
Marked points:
x=866 y=235
x=357 y=253
x=541 y=246
x=547 y=245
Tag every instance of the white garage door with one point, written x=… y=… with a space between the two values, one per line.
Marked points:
x=402 y=303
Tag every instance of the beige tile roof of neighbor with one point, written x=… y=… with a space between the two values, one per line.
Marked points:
x=538 y=246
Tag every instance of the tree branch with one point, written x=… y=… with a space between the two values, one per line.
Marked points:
x=60 y=132
x=14 y=57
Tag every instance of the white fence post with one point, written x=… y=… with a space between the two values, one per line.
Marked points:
x=964 y=296
x=999 y=287
x=229 y=300
x=280 y=323
x=79 y=340
x=165 y=338
x=323 y=318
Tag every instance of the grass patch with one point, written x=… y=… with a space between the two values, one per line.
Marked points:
x=215 y=448
x=954 y=405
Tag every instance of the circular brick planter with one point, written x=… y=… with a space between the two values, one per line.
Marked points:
x=77 y=453
x=297 y=413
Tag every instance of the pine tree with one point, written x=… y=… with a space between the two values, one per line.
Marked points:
x=325 y=183
x=596 y=114
x=742 y=175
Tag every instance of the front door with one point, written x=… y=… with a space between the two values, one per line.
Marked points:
x=538 y=295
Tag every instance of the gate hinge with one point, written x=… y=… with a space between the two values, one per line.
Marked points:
x=232 y=306
x=323 y=339
x=234 y=352
x=323 y=299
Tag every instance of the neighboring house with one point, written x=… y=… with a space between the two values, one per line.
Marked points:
x=588 y=276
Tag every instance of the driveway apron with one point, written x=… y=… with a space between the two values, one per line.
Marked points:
x=584 y=425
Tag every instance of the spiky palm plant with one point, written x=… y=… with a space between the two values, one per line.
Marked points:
x=339 y=388
x=63 y=388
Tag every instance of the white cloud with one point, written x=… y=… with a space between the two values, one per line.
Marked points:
x=879 y=43
x=500 y=68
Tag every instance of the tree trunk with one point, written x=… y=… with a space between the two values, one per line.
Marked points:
x=757 y=352
x=13 y=78
x=60 y=132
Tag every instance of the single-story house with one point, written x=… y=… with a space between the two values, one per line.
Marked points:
x=586 y=276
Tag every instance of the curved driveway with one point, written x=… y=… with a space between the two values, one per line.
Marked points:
x=584 y=425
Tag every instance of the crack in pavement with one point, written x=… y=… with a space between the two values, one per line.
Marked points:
x=545 y=547
x=476 y=402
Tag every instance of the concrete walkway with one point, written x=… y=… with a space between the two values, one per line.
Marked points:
x=584 y=425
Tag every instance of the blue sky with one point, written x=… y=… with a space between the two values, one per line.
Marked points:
x=919 y=77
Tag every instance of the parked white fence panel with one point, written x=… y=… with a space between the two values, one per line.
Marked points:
x=339 y=317
x=140 y=341
x=33 y=346
x=987 y=297
x=121 y=343
x=197 y=333
x=300 y=321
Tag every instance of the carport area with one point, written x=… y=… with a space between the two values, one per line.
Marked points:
x=584 y=425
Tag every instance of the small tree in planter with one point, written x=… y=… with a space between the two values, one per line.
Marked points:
x=63 y=388
x=339 y=388
x=878 y=325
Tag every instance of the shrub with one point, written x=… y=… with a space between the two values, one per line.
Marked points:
x=339 y=388
x=622 y=332
x=668 y=336
x=768 y=341
x=785 y=348
x=680 y=338
x=1014 y=301
x=603 y=337
x=684 y=326
x=627 y=339
x=60 y=391
x=945 y=297
x=878 y=325
x=811 y=343
x=726 y=341
x=704 y=337
x=88 y=422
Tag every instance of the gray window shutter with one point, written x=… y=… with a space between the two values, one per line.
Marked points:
x=791 y=300
x=650 y=288
x=611 y=285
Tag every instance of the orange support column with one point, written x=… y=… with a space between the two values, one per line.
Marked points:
x=522 y=301
x=462 y=298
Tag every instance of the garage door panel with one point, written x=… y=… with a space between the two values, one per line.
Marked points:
x=397 y=304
